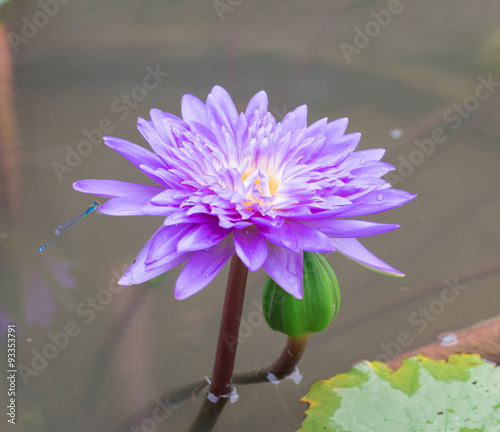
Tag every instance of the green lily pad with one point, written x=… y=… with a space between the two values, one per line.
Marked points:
x=461 y=395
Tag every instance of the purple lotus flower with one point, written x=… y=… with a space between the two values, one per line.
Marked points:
x=244 y=183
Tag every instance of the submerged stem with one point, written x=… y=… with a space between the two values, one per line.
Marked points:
x=229 y=328
x=208 y=415
x=210 y=411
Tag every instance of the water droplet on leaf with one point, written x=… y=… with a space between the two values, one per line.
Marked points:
x=449 y=339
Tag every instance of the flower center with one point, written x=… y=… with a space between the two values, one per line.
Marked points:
x=270 y=187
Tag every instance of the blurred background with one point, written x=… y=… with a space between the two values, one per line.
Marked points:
x=421 y=79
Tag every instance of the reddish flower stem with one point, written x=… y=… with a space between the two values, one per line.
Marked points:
x=229 y=328
x=290 y=356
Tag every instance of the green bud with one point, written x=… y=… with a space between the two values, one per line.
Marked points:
x=317 y=308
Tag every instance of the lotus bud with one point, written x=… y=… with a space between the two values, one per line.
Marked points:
x=318 y=306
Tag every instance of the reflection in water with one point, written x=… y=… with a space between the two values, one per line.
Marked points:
x=39 y=299
x=9 y=152
x=42 y=296
x=39 y=293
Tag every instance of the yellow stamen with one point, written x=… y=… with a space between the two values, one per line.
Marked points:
x=273 y=183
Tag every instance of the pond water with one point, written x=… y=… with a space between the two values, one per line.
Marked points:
x=417 y=78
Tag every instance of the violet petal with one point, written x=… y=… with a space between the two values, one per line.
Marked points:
x=353 y=249
x=125 y=206
x=251 y=247
x=202 y=236
x=311 y=239
x=285 y=267
x=114 y=188
x=345 y=228
x=193 y=110
x=379 y=201
x=202 y=268
x=137 y=272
